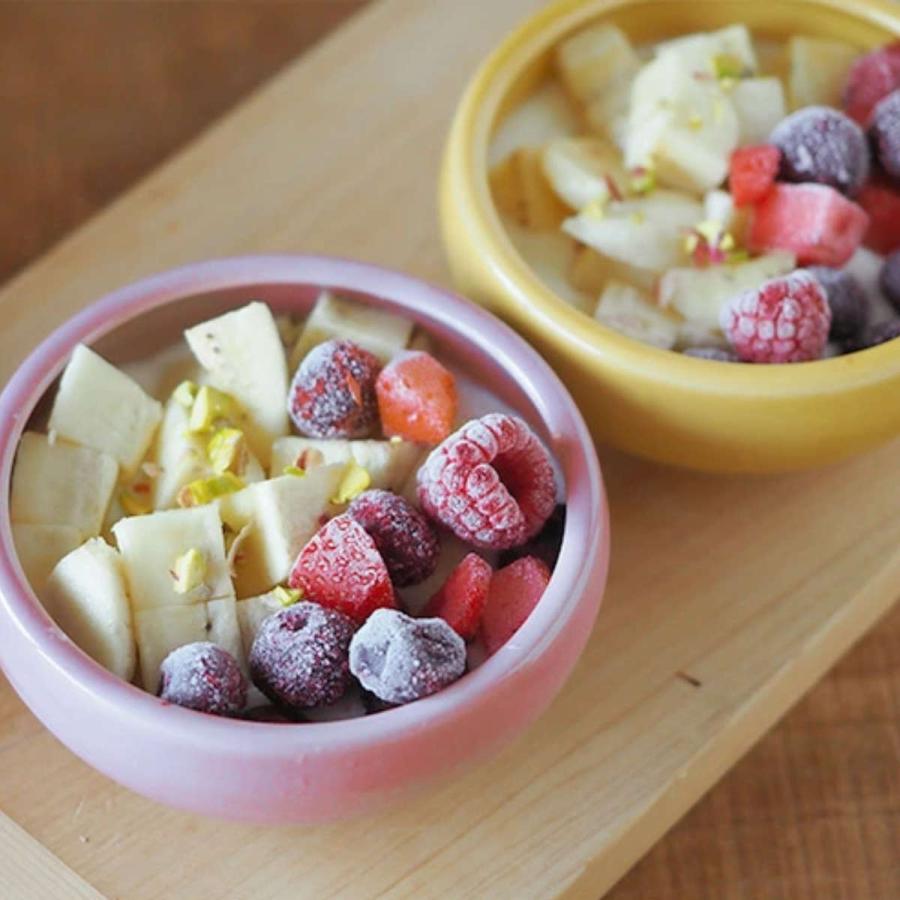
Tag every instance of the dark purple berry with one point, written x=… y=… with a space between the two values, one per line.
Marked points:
x=333 y=392
x=847 y=299
x=204 y=677
x=884 y=131
x=544 y=545
x=401 y=659
x=822 y=145
x=714 y=353
x=877 y=334
x=299 y=657
x=404 y=538
x=889 y=279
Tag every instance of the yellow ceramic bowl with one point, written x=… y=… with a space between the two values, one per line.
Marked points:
x=656 y=403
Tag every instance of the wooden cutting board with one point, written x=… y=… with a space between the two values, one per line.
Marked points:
x=728 y=597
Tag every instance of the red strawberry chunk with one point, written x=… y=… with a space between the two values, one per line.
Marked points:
x=753 y=172
x=340 y=568
x=514 y=592
x=871 y=78
x=417 y=398
x=814 y=221
x=881 y=200
x=460 y=601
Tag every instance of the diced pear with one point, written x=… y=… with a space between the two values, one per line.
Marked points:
x=546 y=114
x=380 y=332
x=818 y=70
x=242 y=352
x=632 y=313
x=283 y=514
x=41 y=547
x=387 y=462
x=179 y=454
x=607 y=115
x=647 y=233
x=100 y=407
x=252 y=612
x=150 y=546
x=86 y=596
x=224 y=630
x=522 y=192
x=591 y=271
x=61 y=484
x=698 y=294
x=594 y=59
x=760 y=106
x=700 y=52
x=160 y=631
x=584 y=170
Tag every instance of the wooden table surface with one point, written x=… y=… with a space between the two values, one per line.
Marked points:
x=92 y=94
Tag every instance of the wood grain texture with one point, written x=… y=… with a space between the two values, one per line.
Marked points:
x=727 y=599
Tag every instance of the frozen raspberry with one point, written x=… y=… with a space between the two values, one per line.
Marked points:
x=847 y=300
x=333 y=392
x=204 y=677
x=404 y=537
x=889 y=279
x=460 y=601
x=417 y=398
x=341 y=568
x=881 y=201
x=714 y=353
x=401 y=659
x=884 y=132
x=491 y=483
x=545 y=545
x=752 y=172
x=299 y=656
x=871 y=77
x=823 y=145
x=515 y=591
x=785 y=320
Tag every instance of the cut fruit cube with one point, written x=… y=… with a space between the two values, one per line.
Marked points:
x=100 y=407
x=700 y=51
x=282 y=514
x=593 y=60
x=522 y=192
x=719 y=207
x=514 y=592
x=813 y=221
x=818 y=70
x=242 y=353
x=752 y=173
x=760 y=105
x=584 y=170
x=41 y=547
x=252 y=612
x=150 y=546
x=632 y=313
x=460 y=601
x=164 y=629
x=376 y=330
x=179 y=454
x=85 y=594
x=881 y=201
x=223 y=628
x=699 y=294
x=607 y=115
x=591 y=271
x=61 y=484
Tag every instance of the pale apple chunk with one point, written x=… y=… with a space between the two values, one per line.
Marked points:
x=224 y=630
x=523 y=194
x=41 y=547
x=252 y=612
x=702 y=51
x=243 y=356
x=152 y=545
x=100 y=407
x=719 y=207
x=632 y=313
x=380 y=332
x=593 y=59
x=818 y=70
x=55 y=483
x=760 y=106
x=164 y=629
x=86 y=596
x=584 y=170
x=591 y=271
x=179 y=455
x=607 y=115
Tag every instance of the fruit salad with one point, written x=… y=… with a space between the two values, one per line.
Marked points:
x=729 y=198
x=291 y=521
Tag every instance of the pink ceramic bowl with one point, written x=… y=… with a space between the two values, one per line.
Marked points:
x=311 y=772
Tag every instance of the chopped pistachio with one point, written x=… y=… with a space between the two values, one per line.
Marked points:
x=638 y=217
x=287 y=596
x=205 y=490
x=309 y=458
x=135 y=504
x=185 y=394
x=227 y=451
x=296 y=471
x=596 y=209
x=356 y=479
x=396 y=439
x=695 y=121
x=189 y=571
x=727 y=66
x=642 y=180
x=212 y=407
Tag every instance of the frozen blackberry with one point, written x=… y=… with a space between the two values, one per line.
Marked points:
x=204 y=677
x=714 y=353
x=884 y=131
x=822 y=145
x=879 y=334
x=847 y=300
x=889 y=279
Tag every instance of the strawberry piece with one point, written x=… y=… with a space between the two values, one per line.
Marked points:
x=514 y=592
x=871 y=78
x=753 y=172
x=460 y=601
x=881 y=200
x=417 y=398
x=814 y=221
x=340 y=568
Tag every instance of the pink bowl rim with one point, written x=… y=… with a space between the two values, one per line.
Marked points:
x=586 y=530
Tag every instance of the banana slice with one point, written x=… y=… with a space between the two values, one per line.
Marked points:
x=630 y=312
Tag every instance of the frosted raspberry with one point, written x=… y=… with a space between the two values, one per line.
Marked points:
x=515 y=591
x=785 y=320
x=823 y=145
x=404 y=537
x=300 y=656
x=871 y=77
x=401 y=659
x=333 y=392
x=204 y=677
x=847 y=300
x=342 y=569
x=460 y=601
x=885 y=133
x=491 y=483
